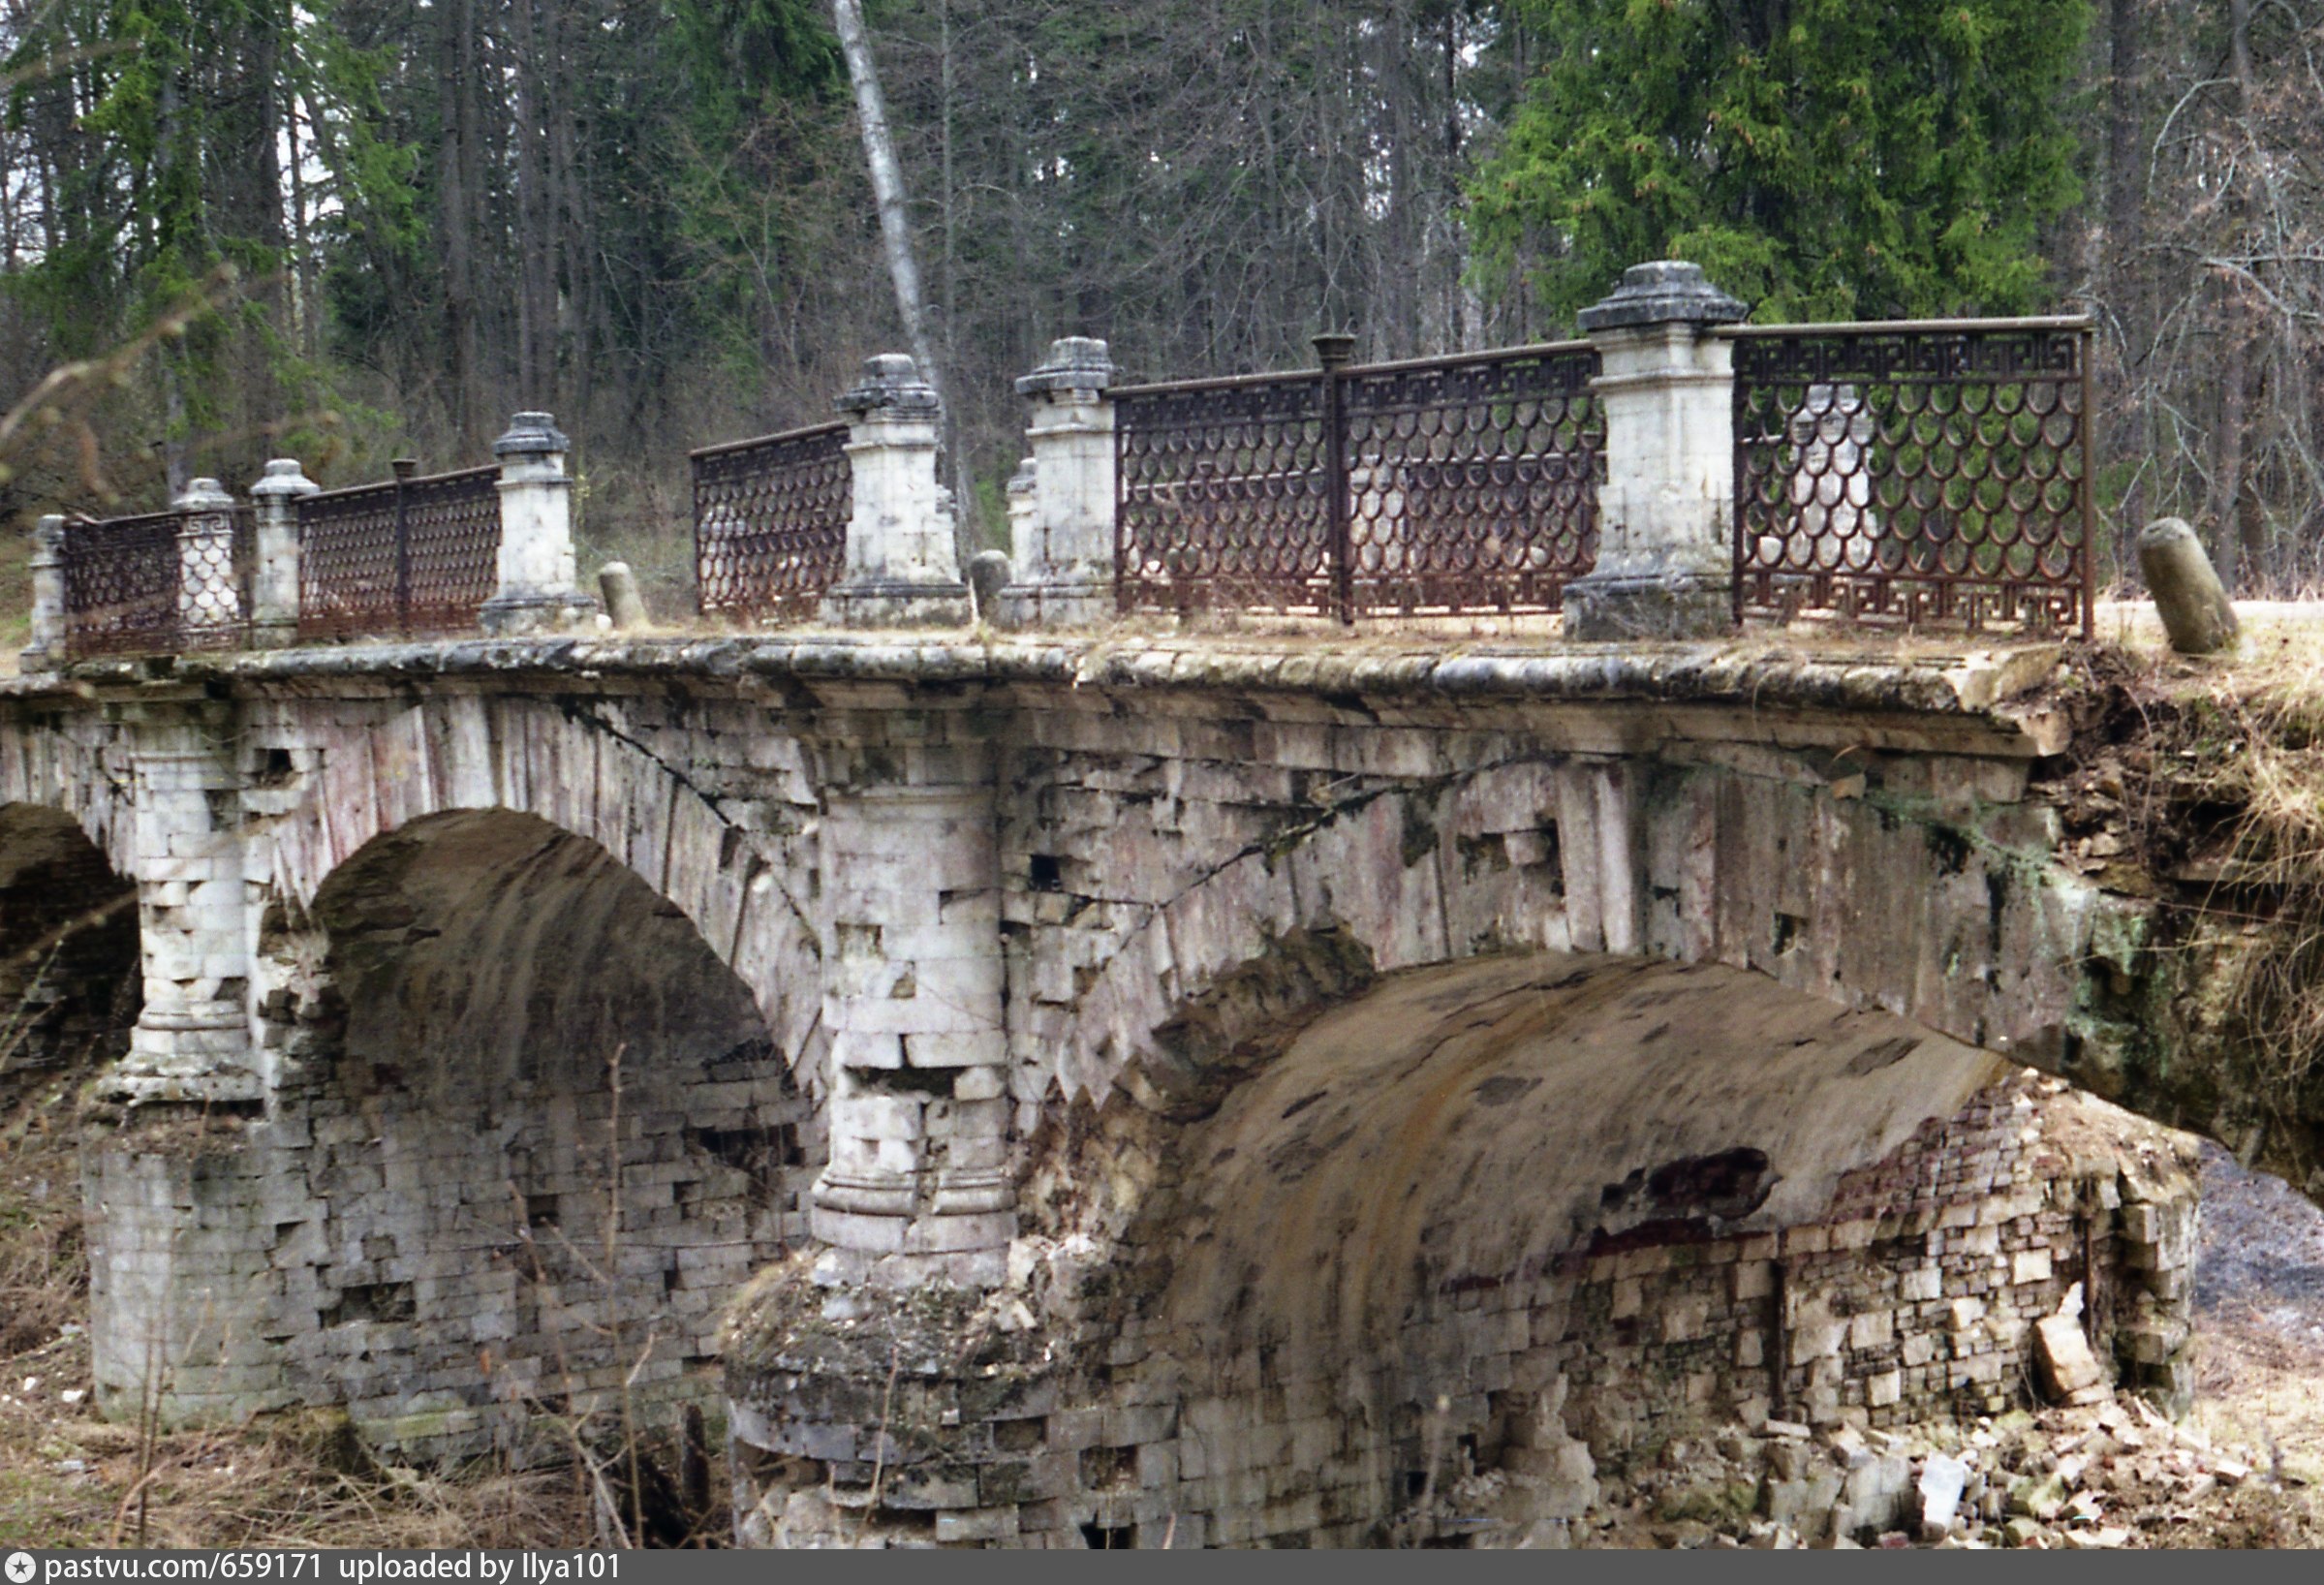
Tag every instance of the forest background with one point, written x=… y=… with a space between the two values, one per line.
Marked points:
x=351 y=229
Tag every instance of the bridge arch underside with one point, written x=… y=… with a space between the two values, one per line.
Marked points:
x=1533 y=1214
x=70 y=986
x=528 y=1130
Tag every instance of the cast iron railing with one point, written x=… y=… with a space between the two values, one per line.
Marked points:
x=416 y=554
x=1916 y=473
x=145 y=586
x=770 y=521
x=1444 y=486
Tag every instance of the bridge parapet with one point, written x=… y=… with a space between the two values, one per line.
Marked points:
x=1675 y=472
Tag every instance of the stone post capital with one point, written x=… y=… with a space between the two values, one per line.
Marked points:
x=891 y=388
x=283 y=479
x=531 y=435
x=1077 y=366
x=203 y=495
x=1662 y=292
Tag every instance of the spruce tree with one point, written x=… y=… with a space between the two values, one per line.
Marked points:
x=1843 y=159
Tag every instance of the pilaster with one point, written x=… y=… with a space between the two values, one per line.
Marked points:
x=192 y=1043
x=917 y=1186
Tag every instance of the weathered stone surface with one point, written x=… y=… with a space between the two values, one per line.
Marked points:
x=2195 y=610
x=1027 y=927
x=623 y=604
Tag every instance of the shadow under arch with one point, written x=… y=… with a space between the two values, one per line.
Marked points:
x=1528 y=1214
x=70 y=979
x=546 y=1132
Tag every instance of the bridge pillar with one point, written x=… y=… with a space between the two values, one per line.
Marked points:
x=539 y=586
x=46 y=650
x=192 y=1041
x=917 y=1186
x=1063 y=549
x=274 y=581
x=903 y=567
x=1665 y=563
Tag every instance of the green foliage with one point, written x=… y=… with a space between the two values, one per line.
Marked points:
x=1839 y=159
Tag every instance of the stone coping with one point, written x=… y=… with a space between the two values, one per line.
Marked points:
x=1963 y=681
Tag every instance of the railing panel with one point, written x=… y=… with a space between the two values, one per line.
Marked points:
x=770 y=522
x=1468 y=484
x=1474 y=480
x=407 y=556
x=144 y=585
x=1219 y=496
x=1916 y=475
x=453 y=521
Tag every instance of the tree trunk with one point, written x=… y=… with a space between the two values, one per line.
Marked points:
x=2125 y=233
x=2227 y=456
x=895 y=231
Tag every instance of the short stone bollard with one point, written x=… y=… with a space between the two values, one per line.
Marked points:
x=2193 y=606
x=988 y=575
x=624 y=603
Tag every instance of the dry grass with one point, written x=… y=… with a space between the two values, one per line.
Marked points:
x=2226 y=760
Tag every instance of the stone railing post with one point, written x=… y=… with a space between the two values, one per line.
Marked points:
x=46 y=650
x=539 y=588
x=903 y=567
x=274 y=579
x=1665 y=562
x=207 y=597
x=1063 y=558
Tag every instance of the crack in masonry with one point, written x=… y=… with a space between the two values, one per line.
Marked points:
x=578 y=714
x=1297 y=835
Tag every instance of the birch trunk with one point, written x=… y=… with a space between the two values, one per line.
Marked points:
x=895 y=231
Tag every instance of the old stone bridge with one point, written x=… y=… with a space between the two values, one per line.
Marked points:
x=1151 y=1082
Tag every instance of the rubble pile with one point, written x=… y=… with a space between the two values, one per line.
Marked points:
x=2112 y=1473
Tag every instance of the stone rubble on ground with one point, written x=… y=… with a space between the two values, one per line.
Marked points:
x=2101 y=1473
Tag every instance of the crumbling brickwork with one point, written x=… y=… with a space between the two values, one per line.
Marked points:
x=1910 y=1296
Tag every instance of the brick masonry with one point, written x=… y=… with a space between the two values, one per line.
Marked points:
x=1911 y=1296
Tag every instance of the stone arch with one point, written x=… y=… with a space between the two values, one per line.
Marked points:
x=1888 y=906
x=69 y=988
x=576 y=771
x=1541 y=1212
x=541 y=1130
x=71 y=764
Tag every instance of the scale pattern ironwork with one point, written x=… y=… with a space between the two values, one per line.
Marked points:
x=1459 y=484
x=1927 y=475
x=1219 y=498
x=770 y=522
x=156 y=584
x=1472 y=481
x=407 y=556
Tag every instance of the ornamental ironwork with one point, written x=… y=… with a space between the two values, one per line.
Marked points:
x=1436 y=487
x=770 y=522
x=1911 y=474
x=416 y=554
x=159 y=583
